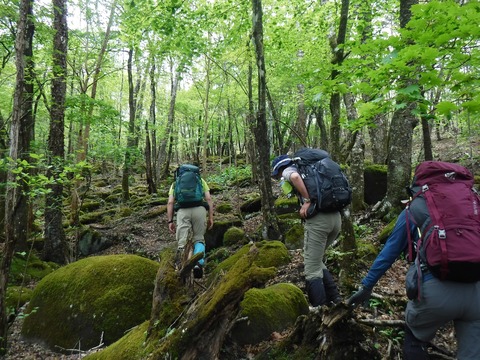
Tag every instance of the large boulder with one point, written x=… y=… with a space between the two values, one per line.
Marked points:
x=102 y=296
x=268 y=310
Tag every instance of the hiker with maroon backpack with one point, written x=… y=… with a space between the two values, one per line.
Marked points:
x=440 y=232
x=322 y=190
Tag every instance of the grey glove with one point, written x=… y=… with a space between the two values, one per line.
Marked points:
x=362 y=296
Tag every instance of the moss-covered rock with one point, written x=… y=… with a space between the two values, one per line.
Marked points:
x=27 y=267
x=91 y=205
x=264 y=311
x=285 y=205
x=129 y=347
x=234 y=236
x=294 y=236
x=91 y=241
x=251 y=205
x=78 y=303
x=17 y=296
x=155 y=212
x=272 y=253
x=387 y=230
x=224 y=208
x=214 y=236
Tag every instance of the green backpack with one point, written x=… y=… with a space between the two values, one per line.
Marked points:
x=188 y=187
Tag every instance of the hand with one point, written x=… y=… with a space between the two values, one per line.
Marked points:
x=172 y=227
x=362 y=296
x=304 y=210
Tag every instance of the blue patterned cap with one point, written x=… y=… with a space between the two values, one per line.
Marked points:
x=279 y=162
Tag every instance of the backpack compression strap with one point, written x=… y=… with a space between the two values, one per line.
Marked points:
x=439 y=228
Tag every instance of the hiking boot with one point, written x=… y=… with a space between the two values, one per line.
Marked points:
x=197 y=272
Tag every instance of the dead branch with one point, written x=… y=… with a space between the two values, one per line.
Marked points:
x=376 y=322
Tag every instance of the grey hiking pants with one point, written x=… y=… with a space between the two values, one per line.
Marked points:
x=320 y=232
x=444 y=301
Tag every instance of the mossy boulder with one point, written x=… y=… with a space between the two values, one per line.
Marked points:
x=251 y=205
x=264 y=311
x=271 y=253
x=387 y=230
x=285 y=205
x=294 y=236
x=214 y=236
x=27 y=267
x=224 y=208
x=234 y=236
x=98 y=295
x=91 y=241
x=17 y=296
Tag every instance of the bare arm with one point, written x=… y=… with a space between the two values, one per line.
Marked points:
x=171 y=223
x=299 y=185
x=208 y=199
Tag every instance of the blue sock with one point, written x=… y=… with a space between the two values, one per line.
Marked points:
x=199 y=247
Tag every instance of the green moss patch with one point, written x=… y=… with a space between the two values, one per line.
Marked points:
x=83 y=300
x=26 y=268
x=129 y=347
x=234 y=236
x=274 y=308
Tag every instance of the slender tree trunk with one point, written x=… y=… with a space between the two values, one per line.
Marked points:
x=55 y=248
x=3 y=177
x=164 y=152
x=13 y=193
x=338 y=55
x=301 y=125
x=270 y=224
x=320 y=117
x=206 y=115
x=24 y=217
x=148 y=146
x=131 y=130
x=277 y=133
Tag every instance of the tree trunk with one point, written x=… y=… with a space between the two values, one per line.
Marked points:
x=165 y=153
x=131 y=130
x=270 y=224
x=301 y=125
x=400 y=138
x=378 y=139
x=13 y=193
x=338 y=55
x=55 y=248
x=319 y=115
x=149 y=165
x=206 y=114
x=23 y=216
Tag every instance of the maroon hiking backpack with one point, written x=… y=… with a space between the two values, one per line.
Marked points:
x=446 y=209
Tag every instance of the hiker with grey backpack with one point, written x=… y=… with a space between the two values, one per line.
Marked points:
x=323 y=191
x=439 y=231
x=189 y=197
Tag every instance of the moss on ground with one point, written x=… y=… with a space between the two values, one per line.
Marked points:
x=129 y=347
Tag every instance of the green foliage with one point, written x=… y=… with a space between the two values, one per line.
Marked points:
x=31 y=174
x=231 y=175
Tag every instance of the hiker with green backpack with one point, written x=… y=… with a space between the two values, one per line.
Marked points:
x=189 y=197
